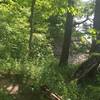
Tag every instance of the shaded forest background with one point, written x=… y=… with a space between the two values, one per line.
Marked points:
x=49 y=50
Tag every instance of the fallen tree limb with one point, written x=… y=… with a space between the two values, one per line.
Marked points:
x=87 y=68
x=52 y=96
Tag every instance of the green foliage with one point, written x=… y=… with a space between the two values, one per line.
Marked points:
x=58 y=79
x=5 y=96
x=41 y=48
x=81 y=42
x=41 y=68
x=13 y=34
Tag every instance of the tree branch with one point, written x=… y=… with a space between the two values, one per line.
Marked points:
x=78 y=23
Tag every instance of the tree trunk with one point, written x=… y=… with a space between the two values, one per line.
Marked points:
x=67 y=36
x=87 y=69
x=31 y=26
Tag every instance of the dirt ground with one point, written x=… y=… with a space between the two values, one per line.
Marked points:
x=17 y=90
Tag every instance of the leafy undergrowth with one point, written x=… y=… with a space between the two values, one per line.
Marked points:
x=24 y=80
x=4 y=95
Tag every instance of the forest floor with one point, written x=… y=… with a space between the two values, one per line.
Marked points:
x=14 y=88
x=78 y=58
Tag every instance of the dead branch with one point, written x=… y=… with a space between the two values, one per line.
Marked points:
x=49 y=93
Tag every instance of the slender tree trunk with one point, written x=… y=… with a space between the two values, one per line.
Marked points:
x=67 y=36
x=87 y=69
x=31 y=26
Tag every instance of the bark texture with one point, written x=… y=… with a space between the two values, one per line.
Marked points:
x=31 y=26
x=67 y=36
